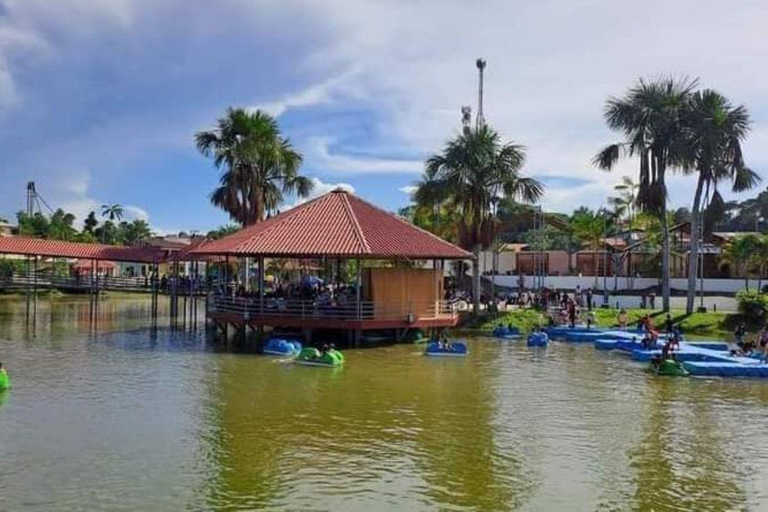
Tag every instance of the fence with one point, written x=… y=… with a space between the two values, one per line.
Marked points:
x=365 y=310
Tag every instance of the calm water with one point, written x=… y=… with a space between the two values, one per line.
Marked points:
x=125 y=419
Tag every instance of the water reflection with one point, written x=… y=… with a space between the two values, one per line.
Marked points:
x=680 y=463
x=391 y=425
x=154 y=419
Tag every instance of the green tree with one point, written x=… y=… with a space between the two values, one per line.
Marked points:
x=438 y=219
x=740 y=253
x=624 y=203
x=469 y=176
x=61 y=226
x=760 y=260
x=222 y=231
x=714 y=130
x=90 y=223
x=35 y=225
x=259 y=165
x=591 y=227
x=133 y=233
x=108 y=233
x=649 y=116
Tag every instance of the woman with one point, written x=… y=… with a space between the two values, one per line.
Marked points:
x=623 y=319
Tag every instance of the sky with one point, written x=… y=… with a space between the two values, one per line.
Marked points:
x=100 y=99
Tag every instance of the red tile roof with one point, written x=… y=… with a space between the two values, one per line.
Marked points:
x=337 y=224
x=60 y=249
x=88 y=264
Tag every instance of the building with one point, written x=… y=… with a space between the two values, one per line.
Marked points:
x=398 y=270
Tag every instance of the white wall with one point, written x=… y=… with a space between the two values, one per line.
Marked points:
x=624 y=283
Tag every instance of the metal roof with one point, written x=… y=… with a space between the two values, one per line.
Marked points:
x=60 y=249
x=337 y=224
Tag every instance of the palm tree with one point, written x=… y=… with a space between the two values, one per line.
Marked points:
x=740 y=252
x=259 y=165
x=590 y=227
x=624 y=203
x=714 y=130
x=649 y=116
x=113 y=212
x=472 y=173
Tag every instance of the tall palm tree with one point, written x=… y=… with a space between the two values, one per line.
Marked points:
x=259 y=165
x=113 y=212
x=473 y=171
x=649 y=116
x=714 y=131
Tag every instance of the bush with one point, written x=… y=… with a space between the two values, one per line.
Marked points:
x=753 y=305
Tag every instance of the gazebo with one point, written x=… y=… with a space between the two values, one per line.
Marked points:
x=398 y=270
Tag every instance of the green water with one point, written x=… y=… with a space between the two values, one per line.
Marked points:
x=128 y=419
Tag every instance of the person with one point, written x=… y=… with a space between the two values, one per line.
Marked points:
x=740 y=332
x=676 y=336
x=443 y=343
x=764 y=343
x=666 y=351
x=590 y=319
x=622 y=318
x=5 y=382
x=589 y=299
x=647 y=342
x=668 y=324
x=653 y=300
x=324 y=349
x=572 y=313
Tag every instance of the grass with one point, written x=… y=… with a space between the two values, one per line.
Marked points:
x=710 y=324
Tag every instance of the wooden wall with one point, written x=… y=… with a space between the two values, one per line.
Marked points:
x=399 y=291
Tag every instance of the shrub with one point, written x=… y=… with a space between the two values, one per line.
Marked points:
x=753 y=305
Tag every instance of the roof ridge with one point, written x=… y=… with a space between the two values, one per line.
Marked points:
x=356 y=225
x=412 y=225
x=278 y=219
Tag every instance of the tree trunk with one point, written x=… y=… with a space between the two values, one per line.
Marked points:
x=665 y=291
x=476 y=279
x=595 y=267
x=693 y=261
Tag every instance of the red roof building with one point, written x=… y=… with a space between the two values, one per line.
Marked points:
x=336 y=225
x=59 y=249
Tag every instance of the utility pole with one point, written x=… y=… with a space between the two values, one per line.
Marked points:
x=480 y=120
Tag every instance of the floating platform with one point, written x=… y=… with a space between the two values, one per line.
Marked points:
x=723 y=369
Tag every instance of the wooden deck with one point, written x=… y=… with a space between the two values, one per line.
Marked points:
x=363 y=317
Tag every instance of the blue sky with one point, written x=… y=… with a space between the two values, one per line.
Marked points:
x=100 y=99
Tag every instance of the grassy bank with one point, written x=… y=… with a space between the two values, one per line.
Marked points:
x=702 y=324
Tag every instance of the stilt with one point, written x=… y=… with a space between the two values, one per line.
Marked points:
x=34 y=302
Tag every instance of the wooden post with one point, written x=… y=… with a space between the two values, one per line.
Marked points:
x=261 y=285
x=34 y=299
x=358 y=289
x=29 y=297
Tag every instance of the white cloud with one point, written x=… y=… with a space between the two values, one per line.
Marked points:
x=408 y=189
x=547 y=78
x=73 y=195
x=314 y=95
x=328 y=161
x=319 y=188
